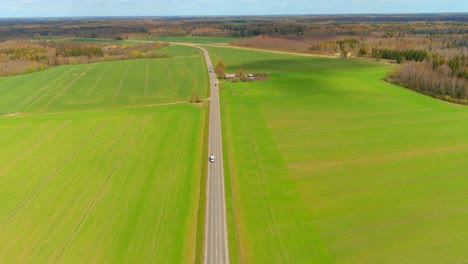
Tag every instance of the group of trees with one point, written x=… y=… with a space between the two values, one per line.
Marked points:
x=400 y=55
x=220 y=69
x=438 y=77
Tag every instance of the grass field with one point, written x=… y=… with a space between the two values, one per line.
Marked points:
x=190 y=39
x=329 y=164
x=85 y=178
x=104 y=85
x=180 y=51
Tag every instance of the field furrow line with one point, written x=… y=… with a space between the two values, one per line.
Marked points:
x=56 y=85
x=57 y=95
x=264 y=178
x=390 y=224
x=31 y=97
x=168 y=187
x=91 y=89
x=194 y=78
x=162 y=124
x=49 y=177
x=32 y=148
x=99 y=194
x=169 y=75
x=147 y=79
x=122 y=82
x=114 y=140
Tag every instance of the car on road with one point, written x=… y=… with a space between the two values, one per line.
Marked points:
x=212 y=158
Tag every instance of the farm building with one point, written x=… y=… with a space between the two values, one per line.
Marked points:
x=229 y=76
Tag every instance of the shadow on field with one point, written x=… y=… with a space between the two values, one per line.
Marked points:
x=298 y=65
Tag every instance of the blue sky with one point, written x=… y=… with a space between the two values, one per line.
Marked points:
x=59 y=8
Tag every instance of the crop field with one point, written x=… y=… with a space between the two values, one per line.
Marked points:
x=86 y=178
x=330 y=164
x=105 y=85
x=180 y=51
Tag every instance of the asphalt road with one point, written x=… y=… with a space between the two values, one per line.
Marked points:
x=216 y=239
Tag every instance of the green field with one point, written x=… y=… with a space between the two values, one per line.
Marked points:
x=190 y=39
x=104 y=85
x=330 y=164
x=93 y=170
x=180 y=51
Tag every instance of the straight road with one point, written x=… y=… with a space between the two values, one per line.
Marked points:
x=216 y=239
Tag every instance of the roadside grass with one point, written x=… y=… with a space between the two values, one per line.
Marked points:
x=201 y=219
x=330 y=164
x=235 y=253
x=104 y=85
x=190 y=39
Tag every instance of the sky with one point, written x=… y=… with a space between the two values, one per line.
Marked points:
x=71 y=8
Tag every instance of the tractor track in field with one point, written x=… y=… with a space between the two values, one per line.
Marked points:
x=122 y=82
x=101 y=109
x=49 y=177
x=91 y=89
x=54 y=84
x=31 y=97
x=98 y=195
x=169 y=75
x=162 y=123
x=146 y=92
x=264 y=178
x=32 y=148
x=169 y=186
x=57 y=95
x=194 y=78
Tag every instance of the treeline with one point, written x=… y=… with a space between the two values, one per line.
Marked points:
x=77 y=51
x=293 y=26
x=399 y=55
x=437 y=77
x=17 y=57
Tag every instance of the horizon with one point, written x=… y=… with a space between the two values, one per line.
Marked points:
x=246 y=16
x=221 y=8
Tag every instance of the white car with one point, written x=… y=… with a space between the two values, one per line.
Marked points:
x=212 y=158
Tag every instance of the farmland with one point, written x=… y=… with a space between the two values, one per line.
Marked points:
x=98 y=165
x=329 y=163
x=105 y=85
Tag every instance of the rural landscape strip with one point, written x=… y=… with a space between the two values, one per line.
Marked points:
x=216 y=244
